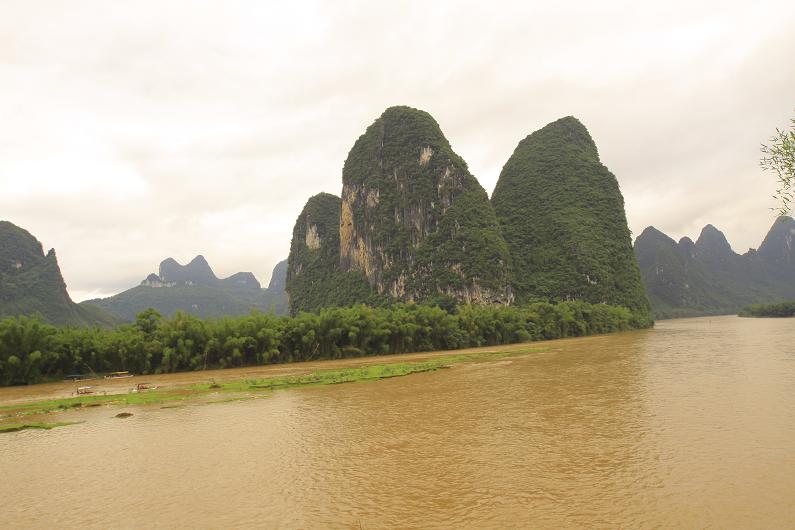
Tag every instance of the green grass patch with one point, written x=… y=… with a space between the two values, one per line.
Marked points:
x=372 y=372
x=16 y=427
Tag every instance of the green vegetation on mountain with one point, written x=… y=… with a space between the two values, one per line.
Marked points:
x=707 y=277
x=777 y=250
x=274 y=297
x=779 y=157
x=779 y=310
x=195 y=289
x=562 y=215
x=314 y=278
x=31 y=283
x=32 y=351
x=414 y=220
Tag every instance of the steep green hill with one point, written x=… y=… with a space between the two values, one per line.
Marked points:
x=414 y=220
x=31 y=282
x=777 y=250
x=314 y=278
x=274 y=297
x=195 y=289
x=707 y=277
x=562 y=215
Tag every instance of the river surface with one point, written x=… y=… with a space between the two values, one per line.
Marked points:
x=688 y=425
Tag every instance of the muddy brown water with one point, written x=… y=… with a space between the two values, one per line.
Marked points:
x=688 y=425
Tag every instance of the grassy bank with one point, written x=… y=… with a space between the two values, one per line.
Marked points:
x=15 y=427
x=372 y=372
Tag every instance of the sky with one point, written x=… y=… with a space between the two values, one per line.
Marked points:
x=135 y=131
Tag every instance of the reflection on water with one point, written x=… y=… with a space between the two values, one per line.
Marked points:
x=691 y=424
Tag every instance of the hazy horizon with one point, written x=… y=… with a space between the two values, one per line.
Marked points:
x=139 y=132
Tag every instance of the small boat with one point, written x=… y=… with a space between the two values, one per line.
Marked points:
x=118 y=375
x=75 y=377
x=84 y=390
x=144 y=386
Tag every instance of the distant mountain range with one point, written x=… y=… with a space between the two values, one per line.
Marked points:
x=194 y=288
x=707 y=277
x=31 y=283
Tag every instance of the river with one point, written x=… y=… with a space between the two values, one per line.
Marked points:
x=688 y=425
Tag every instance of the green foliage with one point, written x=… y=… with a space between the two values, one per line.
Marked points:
x=779 y=310
x=372 y=372
x=314 y=279
x=708 y=278
x=31 y=282
x=32 y=351
x=562 y=215
x=417 y=215
x=16 y=427
x=779 y=157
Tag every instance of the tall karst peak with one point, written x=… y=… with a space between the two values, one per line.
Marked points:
x=242 y=280
x=565 y=134
x=31 y=282
x=562 y=214
x=779 y=244
x=414 y=220
x=196 y=272
x=711 y=235
x=278 y=277
x=712 y=243
x=652 y=235
x=688 y=247
x=195 y=289
x=708 y=277
x=199 y=262
x=313 y=276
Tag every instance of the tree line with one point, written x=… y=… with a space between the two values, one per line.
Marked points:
x=32 y=351
x=782 y=309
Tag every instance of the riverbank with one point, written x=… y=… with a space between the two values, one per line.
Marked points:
x=226 y=386
x=779 y=310
x=32 y=352
x=626 y=430
x=16 y=427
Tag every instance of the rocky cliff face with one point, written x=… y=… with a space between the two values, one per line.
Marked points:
x=31 y=282
x=314 y=279
x=413 y=219
x=778 y=247
x=278 y=282
x=562 y=215
x=708 y=277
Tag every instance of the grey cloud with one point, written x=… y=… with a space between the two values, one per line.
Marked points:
x=224 y=117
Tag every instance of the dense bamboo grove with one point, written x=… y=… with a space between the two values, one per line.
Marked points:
x=32 y=351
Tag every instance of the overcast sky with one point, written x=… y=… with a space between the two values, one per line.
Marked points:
x=134 y=131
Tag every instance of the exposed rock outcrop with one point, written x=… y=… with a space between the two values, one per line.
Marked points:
x=314 y=279
x=414 y=220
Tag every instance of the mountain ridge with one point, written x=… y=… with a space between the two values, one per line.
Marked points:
x=31 y=282
x=709 y=277
x=194 y=288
